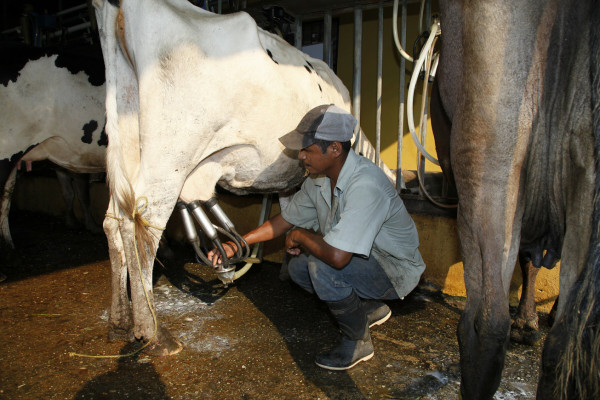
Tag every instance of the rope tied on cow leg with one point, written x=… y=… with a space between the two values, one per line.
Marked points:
x=139 y=210
x=113 y=217
x=137 y=218
x=143 y=235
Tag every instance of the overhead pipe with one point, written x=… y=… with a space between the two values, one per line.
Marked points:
x=356 y=89
x=400 y=184
x=298 y=35
x=379 y=86
x=327 y=48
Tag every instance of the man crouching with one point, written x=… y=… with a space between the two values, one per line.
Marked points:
x=352 y=240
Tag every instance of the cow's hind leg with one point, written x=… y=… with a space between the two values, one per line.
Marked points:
x=9 y=186
x=525 y=325
x=140 y=240
x=81 y=184
x=121 y=320
x=66 y=188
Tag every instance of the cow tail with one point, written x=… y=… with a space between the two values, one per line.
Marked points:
x=121 y=189
x=118 y=184
x=578 y=370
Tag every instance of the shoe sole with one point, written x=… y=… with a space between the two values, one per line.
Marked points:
x=329 y=367
x=381 y=320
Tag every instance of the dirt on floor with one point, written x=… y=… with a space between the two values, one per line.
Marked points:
x=255 y=339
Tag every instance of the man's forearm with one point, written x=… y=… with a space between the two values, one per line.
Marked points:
x=271 y=229
x=315 y=245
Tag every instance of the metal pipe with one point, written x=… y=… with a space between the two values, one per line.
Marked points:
x=68 y=10
x=191 y=233
x=212 y=205
x=427 y=12
x=400 y=184
x=357 y=66
x=188 y=223
x=257 y=250
x=210 y=231
x=205 y=224
x=327 y=51
x=379 y=87
x=242 y=247
x=298 y=35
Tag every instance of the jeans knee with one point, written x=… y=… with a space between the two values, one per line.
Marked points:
x=297 y=268
x=314 y=265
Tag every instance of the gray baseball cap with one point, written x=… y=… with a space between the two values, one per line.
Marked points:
x=325 y=122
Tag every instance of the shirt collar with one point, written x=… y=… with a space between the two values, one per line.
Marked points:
x=347 y=172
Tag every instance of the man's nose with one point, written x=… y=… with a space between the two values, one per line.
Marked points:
x=301 y=155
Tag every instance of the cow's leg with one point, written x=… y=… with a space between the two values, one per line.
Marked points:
x=488 y=221
x=485 y=322
x=151 y=211
x=577 y=233
x=491 y=131
x=488 y=148
x=81 y=184
x=570 y=357
x=121 y=321
x=525 y=326
x=146 y=326
x=9 y=187
x=66 y=189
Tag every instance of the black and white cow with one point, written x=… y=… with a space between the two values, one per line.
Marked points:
x=52 y=109
x=194 y=99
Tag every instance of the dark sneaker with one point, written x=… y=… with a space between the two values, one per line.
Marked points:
x=347 y=354
x=377 y=312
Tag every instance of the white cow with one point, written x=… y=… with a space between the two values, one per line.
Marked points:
x=52 y=109
x=194 y=99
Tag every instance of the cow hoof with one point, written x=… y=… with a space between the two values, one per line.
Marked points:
x=164 y=345
x=120 y=335
x=525 y=335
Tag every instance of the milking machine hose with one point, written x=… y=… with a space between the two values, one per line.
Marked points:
x=395 y=30
x=411 y=93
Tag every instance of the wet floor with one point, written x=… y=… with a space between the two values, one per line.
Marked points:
x=254 y=340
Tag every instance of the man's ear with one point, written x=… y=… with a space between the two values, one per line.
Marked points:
x=336 y=148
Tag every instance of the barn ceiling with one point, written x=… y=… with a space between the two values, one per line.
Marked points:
x=307 y=7
x=71 y=14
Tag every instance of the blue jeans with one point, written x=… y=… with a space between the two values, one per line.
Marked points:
x=363 y=276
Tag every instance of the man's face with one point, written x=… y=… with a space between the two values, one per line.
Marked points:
x=314 y=161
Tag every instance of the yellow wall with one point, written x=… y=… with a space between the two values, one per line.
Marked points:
x=390 y=87
x=440 y=249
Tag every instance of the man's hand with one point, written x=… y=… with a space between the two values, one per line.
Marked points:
x=215 y=255
x=292 y=245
